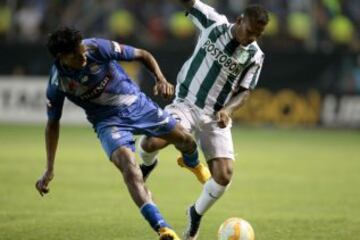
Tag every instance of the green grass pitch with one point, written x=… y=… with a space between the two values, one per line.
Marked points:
x=290 y=184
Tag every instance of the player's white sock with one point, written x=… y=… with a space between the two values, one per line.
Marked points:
x=147 y=158
x=212 y=191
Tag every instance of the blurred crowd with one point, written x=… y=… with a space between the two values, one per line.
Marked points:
x=313 y=24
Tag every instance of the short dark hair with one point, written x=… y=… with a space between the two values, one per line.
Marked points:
x=64 y=40
x=257 y=14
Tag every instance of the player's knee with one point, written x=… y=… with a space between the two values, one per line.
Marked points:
x=224 y=176
x=188 y=143
x=119 y=157
x=132 y=175
x=223 y=180
x=148 y=145
x=117 y=161
x=124 y=160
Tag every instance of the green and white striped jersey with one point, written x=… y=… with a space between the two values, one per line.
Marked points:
x=219 y=66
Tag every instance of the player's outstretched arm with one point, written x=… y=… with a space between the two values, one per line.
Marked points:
x=237 y=101
x=224 y=114
x=51 y=142
x=162 y=86
x=188 y=4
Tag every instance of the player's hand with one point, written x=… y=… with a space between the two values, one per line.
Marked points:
x=42 y=184
x=223 y=118
x=163 y=88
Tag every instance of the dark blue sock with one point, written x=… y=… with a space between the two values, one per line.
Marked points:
x=152 y=214
x=191 y=160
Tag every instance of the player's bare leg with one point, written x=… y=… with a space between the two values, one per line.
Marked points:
x=184 y=142
x=124 y=159
x=221 y=170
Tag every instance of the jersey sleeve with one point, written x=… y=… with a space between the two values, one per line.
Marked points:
x=55 y=98
x=111 y=50
x=204 y=16
x=252 y=74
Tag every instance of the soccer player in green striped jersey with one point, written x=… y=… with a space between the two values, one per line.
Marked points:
x=217 y=79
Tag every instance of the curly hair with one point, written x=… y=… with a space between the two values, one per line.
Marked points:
x=64 y=40
x=257 y=14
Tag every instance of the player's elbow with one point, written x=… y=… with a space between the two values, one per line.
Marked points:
x=142 y=55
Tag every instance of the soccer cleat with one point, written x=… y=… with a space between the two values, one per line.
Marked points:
x=146 y=170
x=201 y=171
x=194 y=219
x=167 y=234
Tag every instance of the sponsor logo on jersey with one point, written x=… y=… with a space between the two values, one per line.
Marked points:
x=96 y=91
x=227 y=62
x=94 y=68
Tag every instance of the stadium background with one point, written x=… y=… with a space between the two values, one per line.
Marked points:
x=297 y=139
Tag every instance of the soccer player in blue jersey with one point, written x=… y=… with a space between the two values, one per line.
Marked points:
x=87 y=72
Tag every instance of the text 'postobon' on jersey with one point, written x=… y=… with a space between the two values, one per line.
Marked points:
x=219 y=65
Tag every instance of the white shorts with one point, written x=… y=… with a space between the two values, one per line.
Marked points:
x=215 y=142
